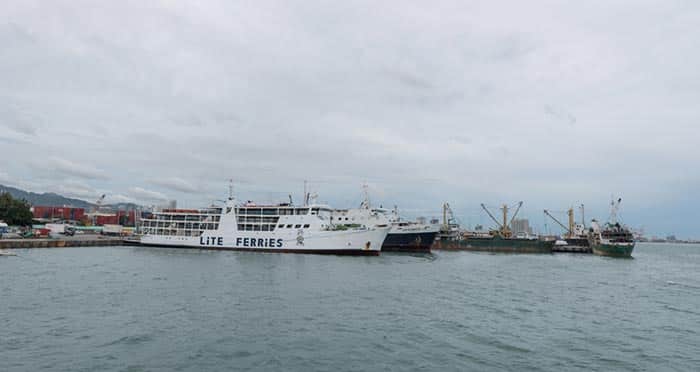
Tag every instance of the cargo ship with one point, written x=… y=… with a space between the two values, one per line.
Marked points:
x=404 y=236
x=612 y=239
x=269 y=228
x=498 y=240
x=575 y=239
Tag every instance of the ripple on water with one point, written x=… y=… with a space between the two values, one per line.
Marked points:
x=191 y=310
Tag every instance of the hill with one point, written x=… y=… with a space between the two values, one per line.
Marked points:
x=51 y=199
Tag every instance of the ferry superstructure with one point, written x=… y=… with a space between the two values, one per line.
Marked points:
x=404 y=236
x=272 y=228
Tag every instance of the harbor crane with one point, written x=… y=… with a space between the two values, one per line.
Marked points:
x=504 y=227
x=96 y=208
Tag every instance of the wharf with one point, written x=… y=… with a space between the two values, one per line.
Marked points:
x=60 y=243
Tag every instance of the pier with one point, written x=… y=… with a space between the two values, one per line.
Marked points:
x=60 y=243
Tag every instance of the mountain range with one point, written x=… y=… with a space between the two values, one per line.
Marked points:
x=51 y=199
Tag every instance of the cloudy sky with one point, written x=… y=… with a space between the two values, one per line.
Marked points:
x=555 y=103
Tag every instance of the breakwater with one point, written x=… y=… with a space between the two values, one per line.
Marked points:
x=60 y=243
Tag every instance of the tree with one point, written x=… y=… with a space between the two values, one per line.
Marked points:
x=14 y=211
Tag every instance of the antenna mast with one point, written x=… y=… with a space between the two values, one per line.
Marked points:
x=365 y=202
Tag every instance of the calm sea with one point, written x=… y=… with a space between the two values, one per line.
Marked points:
x=155 y=309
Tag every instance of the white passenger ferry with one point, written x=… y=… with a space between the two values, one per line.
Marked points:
x=404 y=236
x=251 y=227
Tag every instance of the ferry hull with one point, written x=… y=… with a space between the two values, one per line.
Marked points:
x=495 y=245
x=614 y=250
x=415 y=242
x=355 y=243
x=334 y=252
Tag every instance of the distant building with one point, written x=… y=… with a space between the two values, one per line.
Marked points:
x=521 y=225
x=671 y=238
x=172 y=204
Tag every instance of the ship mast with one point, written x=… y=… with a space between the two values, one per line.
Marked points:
x=503 y=228
x=570 y=212
x=365 y=194
x=614 y=209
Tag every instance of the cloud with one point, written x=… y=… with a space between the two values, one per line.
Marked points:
x=75 y=189
x=119 y=198
x=5 y=178
x=176 y=184
x=140 y=193
x=70 y=168
x=462 y=102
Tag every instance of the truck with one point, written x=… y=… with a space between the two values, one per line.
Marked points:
x=57 y=229
x=113 y=230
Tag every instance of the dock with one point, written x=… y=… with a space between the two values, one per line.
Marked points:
x=60 y=243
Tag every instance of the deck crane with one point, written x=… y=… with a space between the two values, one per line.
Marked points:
x=448 y=218
x=570 y=228
x=503 y=227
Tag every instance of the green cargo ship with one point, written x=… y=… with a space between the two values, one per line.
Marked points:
x=613 y=239
x=494 y=243
x=614 y=250
x=500 y=240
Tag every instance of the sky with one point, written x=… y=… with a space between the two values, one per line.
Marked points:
x=555 y=103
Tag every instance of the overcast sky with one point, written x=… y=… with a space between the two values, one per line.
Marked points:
x=555 y=103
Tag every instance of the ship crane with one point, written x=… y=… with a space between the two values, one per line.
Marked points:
x=448 y=218
x=570 y=229
x=504 y=226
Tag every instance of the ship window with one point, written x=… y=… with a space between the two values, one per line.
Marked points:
x=265 y=227
x=289 y=226
x=280 y=226
x=306 y=226
x=297 y=226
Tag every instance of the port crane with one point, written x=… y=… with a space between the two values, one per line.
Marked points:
x=503 y=227
x=96 y=208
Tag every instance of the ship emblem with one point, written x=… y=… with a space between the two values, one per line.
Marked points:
x=300 y=237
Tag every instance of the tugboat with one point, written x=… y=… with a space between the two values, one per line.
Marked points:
x=497 y=240
x=612 y=239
